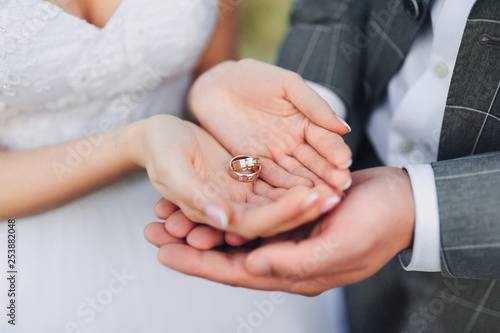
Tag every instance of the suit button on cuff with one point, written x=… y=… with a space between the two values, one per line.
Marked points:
x=413 y=8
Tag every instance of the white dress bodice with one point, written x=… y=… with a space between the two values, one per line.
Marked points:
x=62 y=78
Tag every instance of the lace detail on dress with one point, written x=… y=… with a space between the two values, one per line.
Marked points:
x=61 y=77
x=19 y=26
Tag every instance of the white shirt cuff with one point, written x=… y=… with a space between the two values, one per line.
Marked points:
x=330 y=97
x=425 y=255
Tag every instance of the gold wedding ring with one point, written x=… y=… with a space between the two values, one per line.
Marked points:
x=245 y=168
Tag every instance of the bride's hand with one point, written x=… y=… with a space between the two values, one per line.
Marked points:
x=189 y=168
x=272 y=113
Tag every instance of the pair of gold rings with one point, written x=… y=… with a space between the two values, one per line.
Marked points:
x=245 y=168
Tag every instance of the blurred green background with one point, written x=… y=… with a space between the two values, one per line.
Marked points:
x=263 y=23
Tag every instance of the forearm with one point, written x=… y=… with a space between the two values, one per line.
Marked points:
x=222 y=44
x=38 y=180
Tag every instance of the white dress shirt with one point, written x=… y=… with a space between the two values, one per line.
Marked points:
x=405 y=128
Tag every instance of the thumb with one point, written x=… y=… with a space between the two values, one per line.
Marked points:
x=198 y=199
x=313 y=106
x=303 y=260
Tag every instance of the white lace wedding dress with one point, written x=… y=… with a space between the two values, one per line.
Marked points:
x=86 y=267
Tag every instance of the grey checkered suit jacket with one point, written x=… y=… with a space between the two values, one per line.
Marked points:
x=354 y=47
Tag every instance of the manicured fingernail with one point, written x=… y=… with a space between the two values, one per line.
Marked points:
x=343 y=122
x=346 y=165
x=330 y=203
x=309 y=201
x=262 y=268
x=347 y=185
x=217 y=215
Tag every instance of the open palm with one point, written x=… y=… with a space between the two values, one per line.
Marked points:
x=258 y=109
x=189 y=168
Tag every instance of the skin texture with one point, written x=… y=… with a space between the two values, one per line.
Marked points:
x=370 y=226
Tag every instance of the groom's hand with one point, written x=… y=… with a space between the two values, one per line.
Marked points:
x=257 y=109
x=373 y=223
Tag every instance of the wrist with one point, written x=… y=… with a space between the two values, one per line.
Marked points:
x=401 y=205
x=132 y=141
x=207 y=80
x=145 y=139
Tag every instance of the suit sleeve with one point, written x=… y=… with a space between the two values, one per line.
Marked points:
x=468 y=190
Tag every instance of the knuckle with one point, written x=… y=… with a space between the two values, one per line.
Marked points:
x=294 y=77
x=339 y=178
x=194 y=216
x=340 y=154
x=318 y=164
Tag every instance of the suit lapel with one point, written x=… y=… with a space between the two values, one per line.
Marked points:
x=471 y=122
x=395 y=35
